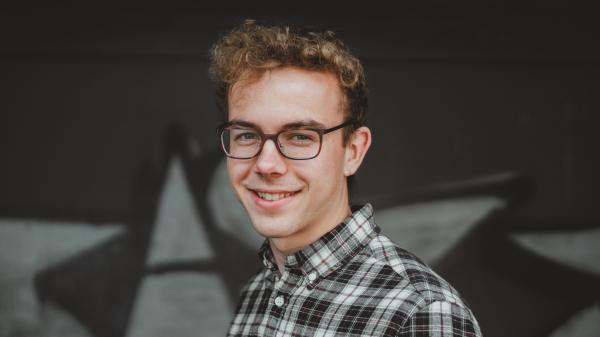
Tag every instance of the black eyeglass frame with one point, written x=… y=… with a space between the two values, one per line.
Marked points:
x=274 y=136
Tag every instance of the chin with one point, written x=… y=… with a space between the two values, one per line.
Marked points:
x=270 y=228
x=274 y=226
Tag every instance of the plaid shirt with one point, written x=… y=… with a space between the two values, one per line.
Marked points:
x=353 y=281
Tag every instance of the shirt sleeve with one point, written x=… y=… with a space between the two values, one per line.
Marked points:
x=441 y=318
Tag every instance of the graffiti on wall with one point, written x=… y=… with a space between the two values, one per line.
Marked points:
x=175 y=265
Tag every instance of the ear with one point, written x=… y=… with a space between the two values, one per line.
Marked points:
x=356 y=149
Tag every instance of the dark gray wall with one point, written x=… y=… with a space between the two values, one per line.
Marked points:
x=458 y=91
x=469 y=91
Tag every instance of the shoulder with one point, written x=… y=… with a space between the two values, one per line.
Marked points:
x=434 y=303
x=441 y=318
x=256 y=281
x=416 y=275
x=251 y=294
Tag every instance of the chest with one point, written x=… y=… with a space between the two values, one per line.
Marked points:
x=349 y=302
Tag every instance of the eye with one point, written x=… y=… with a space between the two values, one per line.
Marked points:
x=247 y=136
x=301 y=137
x=244 y=136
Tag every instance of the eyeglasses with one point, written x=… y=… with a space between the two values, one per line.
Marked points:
x=245 y=142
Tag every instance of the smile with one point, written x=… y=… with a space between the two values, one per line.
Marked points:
x=274 y=196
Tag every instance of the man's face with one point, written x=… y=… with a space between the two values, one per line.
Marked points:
x=291 y=201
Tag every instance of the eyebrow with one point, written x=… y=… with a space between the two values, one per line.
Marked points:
x=239 y=122
x=306 y=123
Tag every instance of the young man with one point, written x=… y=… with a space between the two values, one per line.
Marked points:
x=296 y=104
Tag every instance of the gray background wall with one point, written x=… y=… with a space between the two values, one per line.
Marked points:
x=483 y=117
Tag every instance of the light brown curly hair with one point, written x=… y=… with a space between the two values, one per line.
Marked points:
x=253 y=48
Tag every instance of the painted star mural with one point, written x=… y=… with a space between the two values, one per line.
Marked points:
x=28 y=247
x=176 y=265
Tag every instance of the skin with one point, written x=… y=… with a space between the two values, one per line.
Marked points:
x=316 y=192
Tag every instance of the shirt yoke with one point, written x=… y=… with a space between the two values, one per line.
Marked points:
x=427 y=285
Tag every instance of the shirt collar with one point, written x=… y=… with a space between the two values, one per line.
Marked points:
x=331 y=250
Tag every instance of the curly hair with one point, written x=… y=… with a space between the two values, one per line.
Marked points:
x=253 y=48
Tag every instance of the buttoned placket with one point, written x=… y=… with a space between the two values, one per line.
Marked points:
x=279 y=299
x=277 y=302
x=291 y=281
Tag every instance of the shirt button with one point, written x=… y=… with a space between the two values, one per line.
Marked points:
x=279 y=301
x=312 y=276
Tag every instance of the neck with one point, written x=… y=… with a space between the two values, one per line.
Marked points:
x=282 y=247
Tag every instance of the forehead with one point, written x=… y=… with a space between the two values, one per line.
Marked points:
x=286 y=95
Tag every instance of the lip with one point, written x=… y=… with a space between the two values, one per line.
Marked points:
x=275 y=204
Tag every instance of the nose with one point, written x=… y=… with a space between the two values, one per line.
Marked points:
x=270 y=161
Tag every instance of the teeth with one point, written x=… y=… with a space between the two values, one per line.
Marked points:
x=273 y=196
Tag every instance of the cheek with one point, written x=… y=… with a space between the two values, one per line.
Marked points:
x=334 y=159
x=323 y=171
x=236 y=171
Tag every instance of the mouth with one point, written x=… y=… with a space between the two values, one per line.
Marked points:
x=273 y=196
